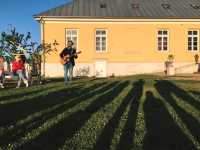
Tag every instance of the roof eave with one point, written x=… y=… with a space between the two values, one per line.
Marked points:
x=36 y=17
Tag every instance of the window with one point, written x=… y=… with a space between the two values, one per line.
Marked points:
x=72 y=34
x=101 y=40
x=135 y=5
x=195 y=6
x=103 y=5
x=166 y=6
x=163 y=37
x=193 y=40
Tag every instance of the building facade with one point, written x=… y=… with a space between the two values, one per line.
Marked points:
x=123 y=37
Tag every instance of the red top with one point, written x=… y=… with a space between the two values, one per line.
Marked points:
x=17 y=65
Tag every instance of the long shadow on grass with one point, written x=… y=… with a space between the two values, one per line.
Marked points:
x=127 y=137
x=162 y=132
x=34 y=90
x=22 y=93
x=61 y=132
x=179 y=92
x=166 y=89
x=34 y=123
x=105 y=138
x=16 y=111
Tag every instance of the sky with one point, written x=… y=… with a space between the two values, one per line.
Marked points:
x=19 y=14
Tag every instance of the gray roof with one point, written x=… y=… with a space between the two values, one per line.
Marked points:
x=126 y=9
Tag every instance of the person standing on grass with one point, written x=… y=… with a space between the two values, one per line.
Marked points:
x=18 y=69
x=70 y=52
x=2 y=66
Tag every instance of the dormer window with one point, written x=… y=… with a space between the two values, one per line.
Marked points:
x=165 y=6
x=103 y=5
x=195 y=6
x=135 y=5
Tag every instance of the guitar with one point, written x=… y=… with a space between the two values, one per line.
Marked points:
x=66 y=58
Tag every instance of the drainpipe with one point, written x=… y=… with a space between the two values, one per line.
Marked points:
x=42 y=22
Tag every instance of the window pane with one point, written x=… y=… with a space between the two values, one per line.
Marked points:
x=104 y=44
x=189 y=32
x=195 y=43
x=74 y=39
x=165 y=32
x=189 y=48
x=159 y=43
x=74 y=32
x=98 y=32
x=159 y=39
x=195 y=39
x=189 y=38
x=68 y=32
x=103 y=32
x=164 y=47
x=165 y=39
x=98 y=48
x=68 y=38
x=195 y=32
x=97 y=39
x=104 y=39
x=159 y=46
x=104 y=48
x=159 y=32
x=165 y=43
x=97 y=43
x=195 y=48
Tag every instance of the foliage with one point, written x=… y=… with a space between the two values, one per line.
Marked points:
x=196 y=58
x=13 y=42
x=170 y=58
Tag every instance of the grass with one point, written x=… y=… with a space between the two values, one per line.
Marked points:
x=122 y=113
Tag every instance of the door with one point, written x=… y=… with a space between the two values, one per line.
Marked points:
x=100 y=68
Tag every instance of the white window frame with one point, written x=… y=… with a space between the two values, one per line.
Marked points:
x=192 y=36
x=77 y=36
x=162 y=36
x=106 y=36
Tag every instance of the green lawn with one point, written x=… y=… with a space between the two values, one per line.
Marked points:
x=138 y=112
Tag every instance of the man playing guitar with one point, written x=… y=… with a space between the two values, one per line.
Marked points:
x=67 y=59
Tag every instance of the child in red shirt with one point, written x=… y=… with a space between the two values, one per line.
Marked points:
x=18 y=68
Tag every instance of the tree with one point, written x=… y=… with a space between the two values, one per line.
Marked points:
x=13 y=43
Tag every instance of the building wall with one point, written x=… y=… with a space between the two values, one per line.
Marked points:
x=132 y=47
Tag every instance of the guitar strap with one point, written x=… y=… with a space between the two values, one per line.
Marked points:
x=71 y=51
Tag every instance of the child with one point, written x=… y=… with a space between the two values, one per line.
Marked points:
x=18 y=68
x=1 y=71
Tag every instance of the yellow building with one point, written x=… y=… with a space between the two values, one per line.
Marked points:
x=123 y=37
